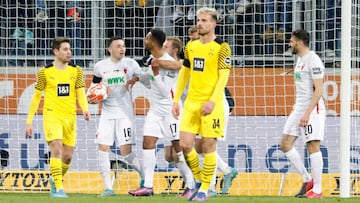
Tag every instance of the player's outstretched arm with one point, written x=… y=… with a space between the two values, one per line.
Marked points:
x=35 y=101
x=167 y=64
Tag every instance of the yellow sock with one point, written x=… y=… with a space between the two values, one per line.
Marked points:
x=65 y=167
x=193 y=161
x=208 y=170
x=56 y=172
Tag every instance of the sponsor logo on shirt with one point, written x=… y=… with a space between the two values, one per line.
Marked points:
x=199 y=64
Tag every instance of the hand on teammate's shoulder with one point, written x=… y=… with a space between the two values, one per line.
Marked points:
x=155 y=65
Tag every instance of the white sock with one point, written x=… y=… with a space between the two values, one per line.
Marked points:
x=316 y=160
x=149 y=163
x=134 y=162
x=186 y=173
x=181 y=156
x=104 y=165
x=221 y=165
x=295 y=159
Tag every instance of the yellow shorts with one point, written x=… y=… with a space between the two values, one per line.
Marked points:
x=211 y=126
x=60 y=128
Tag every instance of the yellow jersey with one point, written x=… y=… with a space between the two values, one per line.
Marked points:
x=205 y=61
x=59 y=88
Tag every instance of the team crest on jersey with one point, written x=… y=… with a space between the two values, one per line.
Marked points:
x=227 y=60
x=211 y=53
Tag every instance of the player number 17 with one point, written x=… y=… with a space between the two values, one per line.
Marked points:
x=173 y=128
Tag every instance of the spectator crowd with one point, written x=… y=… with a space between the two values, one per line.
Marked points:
x=252 y=27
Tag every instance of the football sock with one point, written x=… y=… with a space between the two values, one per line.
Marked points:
x=56 y=172
x=149 y=163
x=104 y=165
x=221 y=165
x=295 y=159
x=185 y=171
x=193 y=162
x=212 y=186
x=134 y=162
x=316 y=160
x=65 y=167
x=208 y=171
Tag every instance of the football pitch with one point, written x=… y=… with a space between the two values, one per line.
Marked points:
x=84 y=198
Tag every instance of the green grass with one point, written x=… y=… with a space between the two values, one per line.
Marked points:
x=83 y=198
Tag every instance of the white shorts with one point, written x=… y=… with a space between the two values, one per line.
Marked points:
x=162 y=127
x=313 y=131
x=120 y=130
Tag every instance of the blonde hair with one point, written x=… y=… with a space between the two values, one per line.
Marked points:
x=176 y=43
x=210 y=11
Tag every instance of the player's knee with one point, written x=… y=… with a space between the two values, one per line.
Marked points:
x=169 y=158
x=67 y=159
x=313 y=146
x=285 y=147
x=149 y=142
x=104 y=148
x=185 y=147
x=198 y=146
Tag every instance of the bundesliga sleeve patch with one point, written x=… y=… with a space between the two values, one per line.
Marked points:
x=227 y=60
x=317 y=71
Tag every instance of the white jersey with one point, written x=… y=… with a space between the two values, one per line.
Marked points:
x=115 y=75
x=307 y=68
x=162 y=89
